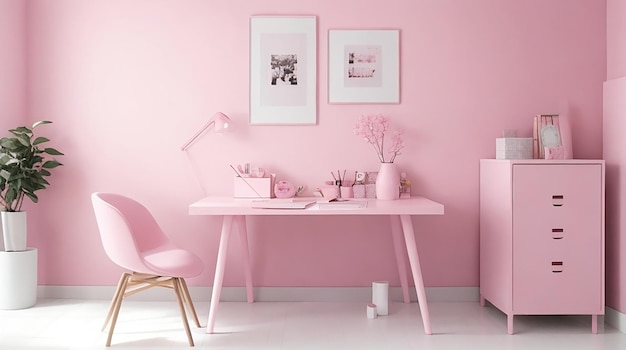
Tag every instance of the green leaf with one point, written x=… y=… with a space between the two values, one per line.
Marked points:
x=10 y=195
x=51 y=164
x=41 y=122
x=52 y=152
x=32 y=196
x=24 y=140
x=40 y=139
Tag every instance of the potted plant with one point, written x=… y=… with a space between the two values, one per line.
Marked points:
x=24 y=166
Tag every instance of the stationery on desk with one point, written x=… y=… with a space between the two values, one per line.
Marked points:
x=290 y=203
x=304 y=203
x=342 y=204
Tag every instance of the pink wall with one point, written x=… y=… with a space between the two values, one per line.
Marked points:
x=12 y=63
x=613 y=152
x=616 y=38
x=614 y=145
x=127 y=82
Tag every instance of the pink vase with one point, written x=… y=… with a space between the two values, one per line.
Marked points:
x=388 y=182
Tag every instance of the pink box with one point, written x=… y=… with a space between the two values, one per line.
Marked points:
x=253 y=187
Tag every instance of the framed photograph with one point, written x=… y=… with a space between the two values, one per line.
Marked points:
x=283 y=70
x=363 y=66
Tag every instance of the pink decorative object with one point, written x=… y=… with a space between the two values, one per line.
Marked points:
x=346 y=192
x=566 y=136
x=388 y=182
x=284 y=189
x=554 y=152
x=373 y=128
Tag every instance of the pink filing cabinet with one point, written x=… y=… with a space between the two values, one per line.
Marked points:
x=542 y=237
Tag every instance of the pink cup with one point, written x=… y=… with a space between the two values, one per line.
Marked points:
x=346 y=192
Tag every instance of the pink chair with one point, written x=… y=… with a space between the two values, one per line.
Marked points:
x=133 y=240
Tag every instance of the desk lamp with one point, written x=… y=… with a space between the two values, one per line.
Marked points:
x=220 y=122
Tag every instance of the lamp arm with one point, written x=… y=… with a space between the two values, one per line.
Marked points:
x=197 y=134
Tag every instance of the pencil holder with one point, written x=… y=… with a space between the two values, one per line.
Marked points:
x=346 y=192
x=358 y=191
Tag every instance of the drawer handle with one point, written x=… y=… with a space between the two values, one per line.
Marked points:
x=557 y=266
x=557 y=200
x=557 y=233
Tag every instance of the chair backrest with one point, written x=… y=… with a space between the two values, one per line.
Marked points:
x=126 y=228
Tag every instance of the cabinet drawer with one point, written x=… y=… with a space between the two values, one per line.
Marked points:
x=556 y=204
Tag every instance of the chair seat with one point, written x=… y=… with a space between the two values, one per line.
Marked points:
x=172 y=261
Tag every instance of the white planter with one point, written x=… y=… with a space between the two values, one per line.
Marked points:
x=18 y=276
x=14 y=230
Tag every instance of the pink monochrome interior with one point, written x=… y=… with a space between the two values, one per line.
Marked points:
x=128 y=82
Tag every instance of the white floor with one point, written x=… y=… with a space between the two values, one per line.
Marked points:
x=75 y=324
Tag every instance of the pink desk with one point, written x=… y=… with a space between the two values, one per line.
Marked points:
x=398 y=211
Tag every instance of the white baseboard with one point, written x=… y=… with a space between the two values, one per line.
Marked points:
x=314 y=294
x=615 y=319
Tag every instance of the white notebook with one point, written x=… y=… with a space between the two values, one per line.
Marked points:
x=340 y=205
x=282 y=203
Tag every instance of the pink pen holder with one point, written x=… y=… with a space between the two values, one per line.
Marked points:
x=253 y=187
x=346 y=192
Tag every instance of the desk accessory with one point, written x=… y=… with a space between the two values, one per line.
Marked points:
x=290 y=203
x=341 y=204
x=358 y=191
x=358 y=188
x=252 y=187
x=284 y=189
x=346 y=192
x=405 y=186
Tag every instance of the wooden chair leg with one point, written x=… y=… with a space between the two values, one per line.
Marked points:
x=179 y=296
x=119 y=293
x=189 y=302
x=117 y=305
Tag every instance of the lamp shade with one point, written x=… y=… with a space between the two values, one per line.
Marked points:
x=221 y=122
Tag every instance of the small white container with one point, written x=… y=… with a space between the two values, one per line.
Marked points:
x=514 y=148
x=371 y=311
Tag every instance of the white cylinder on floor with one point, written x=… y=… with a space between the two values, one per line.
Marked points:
x=18 y=279
x=380 y=297
x=371 y=311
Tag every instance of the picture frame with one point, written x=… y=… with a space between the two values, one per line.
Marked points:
x=283 y=70
x=363 y=66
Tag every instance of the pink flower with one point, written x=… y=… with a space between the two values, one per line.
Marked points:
x=373 y=128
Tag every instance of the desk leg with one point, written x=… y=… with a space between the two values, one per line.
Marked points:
x=243 y=237
x=411 y=247
x=227 y=226
x=396 y=233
